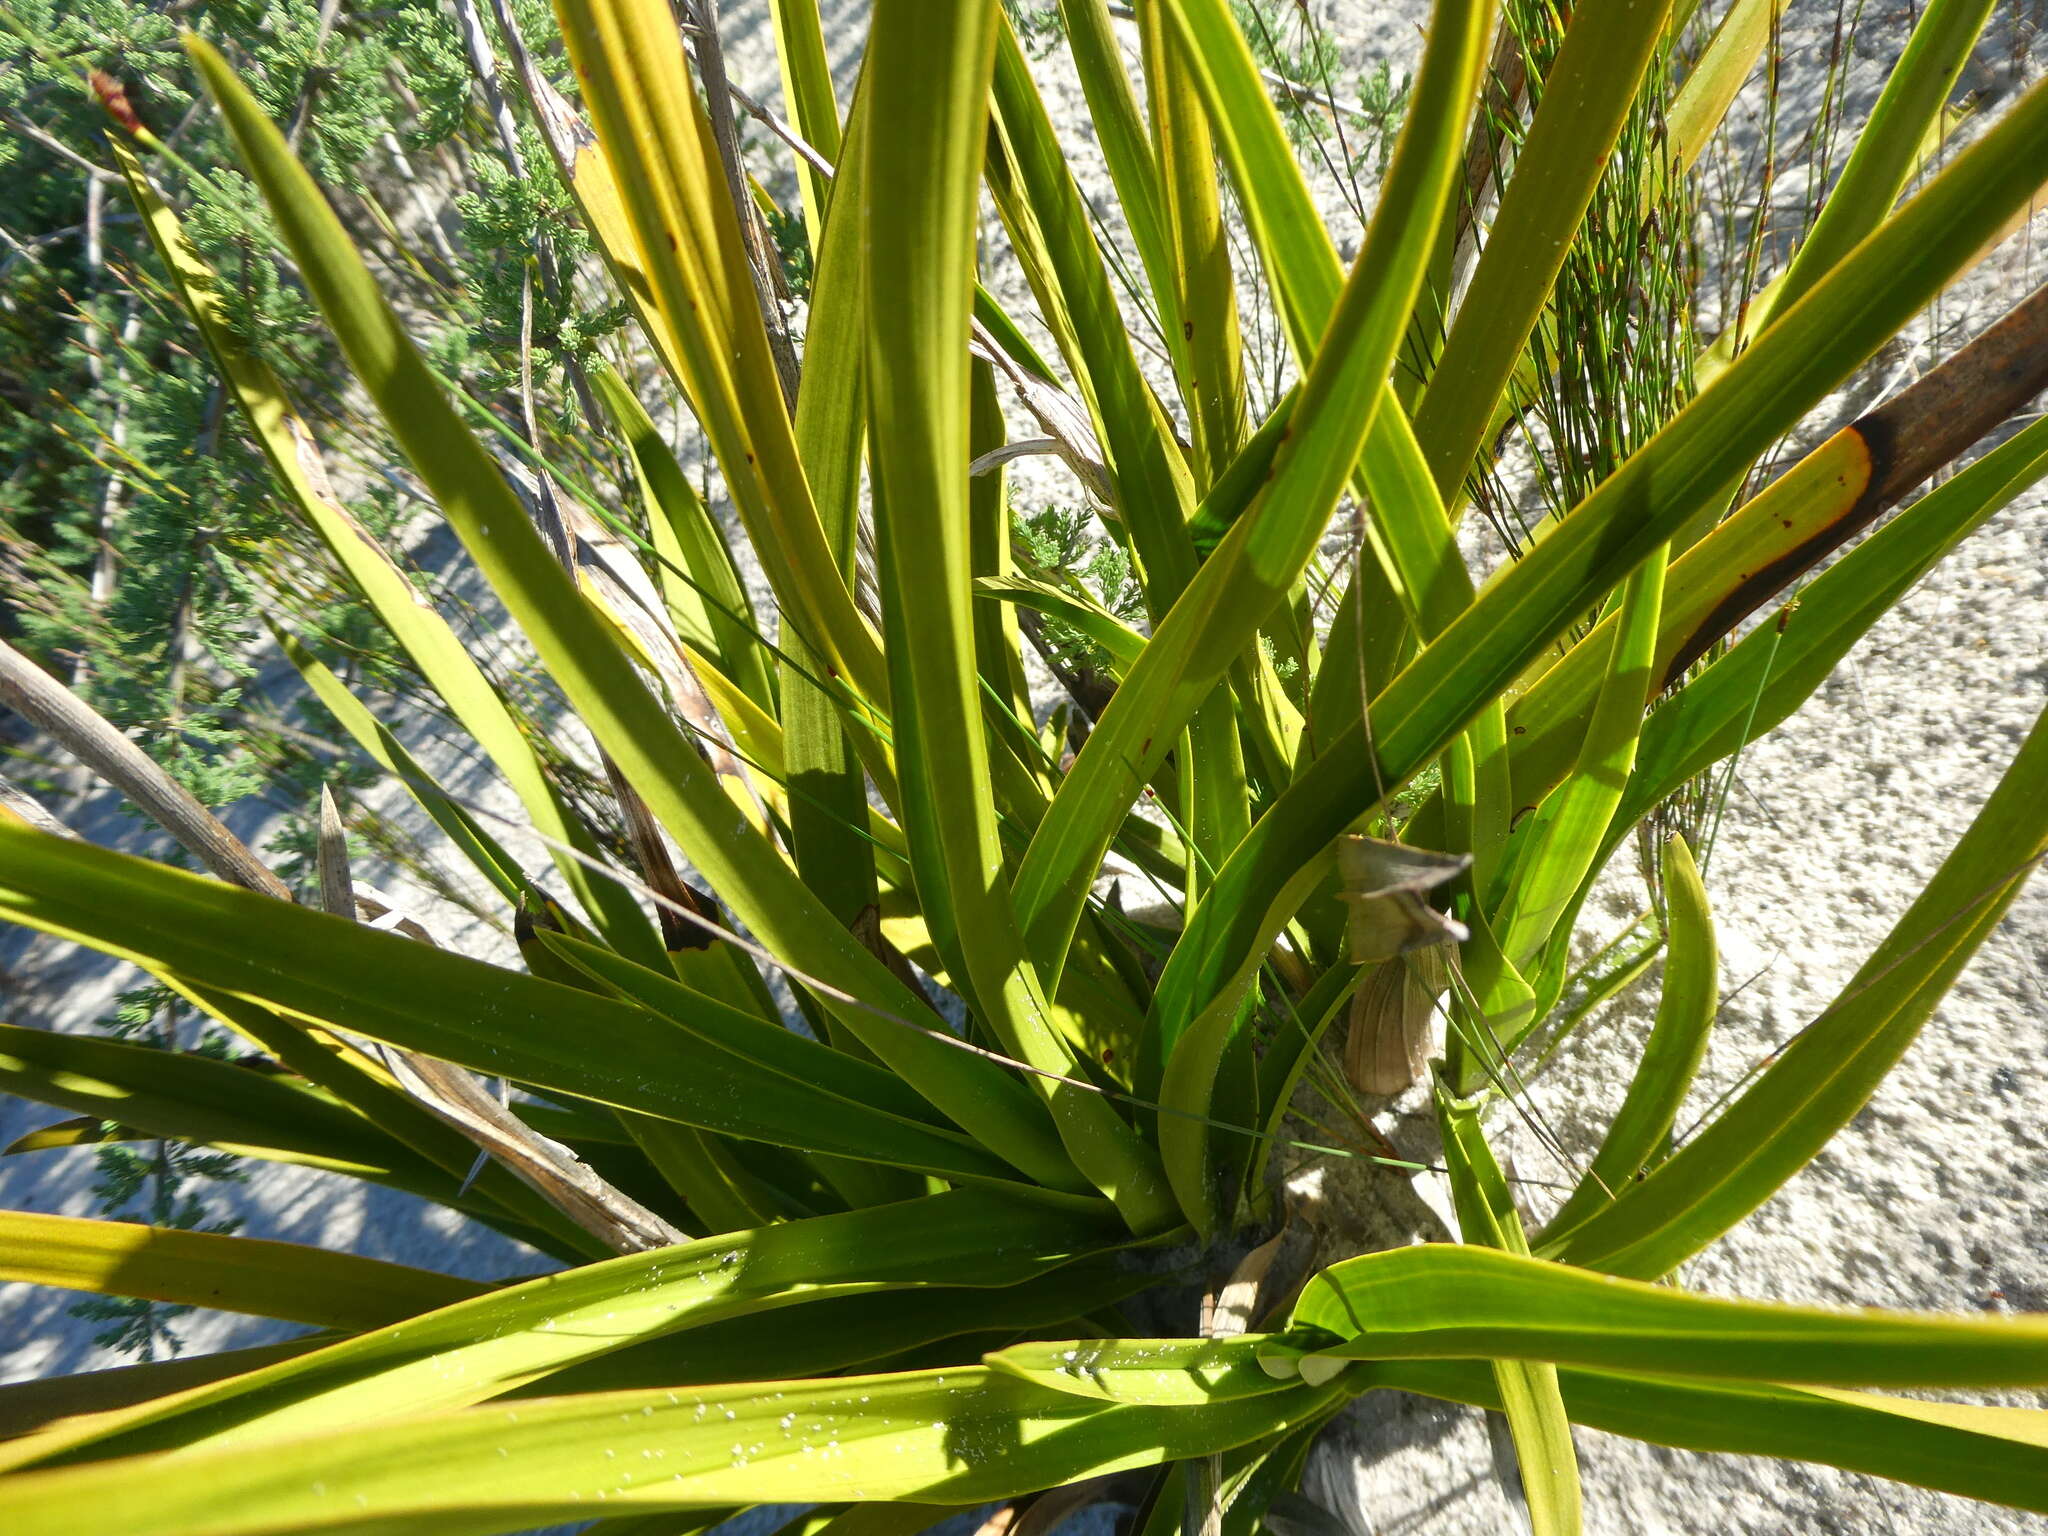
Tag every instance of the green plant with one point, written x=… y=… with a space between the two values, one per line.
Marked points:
x=875 y=1263
x=143 y=540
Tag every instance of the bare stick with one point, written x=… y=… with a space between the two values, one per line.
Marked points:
x=91 y=737
x=459 y=1099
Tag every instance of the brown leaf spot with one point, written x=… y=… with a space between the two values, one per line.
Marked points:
x=114 y=97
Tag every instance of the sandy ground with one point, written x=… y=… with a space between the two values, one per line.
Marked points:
x=1931 y=1198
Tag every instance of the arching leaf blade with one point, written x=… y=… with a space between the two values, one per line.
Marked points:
x=291 y=1281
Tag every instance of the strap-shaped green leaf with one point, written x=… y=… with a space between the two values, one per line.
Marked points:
x=216 y=1103
x=929 y=72
x=768 y=1045
x=349 y=976
x=1770 y=672
x=1790 y=368
x=370 y=1091
x=1119 y=129
x=826 y=743
x=29 y=1407
x=658 y=145
x=1785 y=529
x=813 y=105
x=657 y=759
x=484 y=852
x=1264 y=553
x=1077 y=610
x=1586 y=100
x=211 y=1269
x=1716 y=76
x=1201 y=323
x=1280 y=214
x=1150 y=485
x=1571 y=823
x=1187 y=1086
x=1999 y=1454
x=1301 y=263
x=865 y=1329
x=704 y=593
x=424 y=635
x=1165 y=1372
x=1824 y=1076
x=1042 y=206
x=477 y=1349
x=954 y=1436
x=1441 y=1301
x=1886 y=152
x=1639 y=1134
x=1528 y=1388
